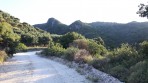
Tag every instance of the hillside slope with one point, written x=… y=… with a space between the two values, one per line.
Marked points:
x=112 y=33
x=14 y=35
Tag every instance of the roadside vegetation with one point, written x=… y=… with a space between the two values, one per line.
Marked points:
x=16 y=36
x=127 y=63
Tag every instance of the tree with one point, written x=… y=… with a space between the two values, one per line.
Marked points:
x=68 y=38
x=44 y=40
x=8 y=38
x=143 y=10
x=99 y=40
x=21 y=47
x=27 y=39
x=144 y=47
x=96 y=49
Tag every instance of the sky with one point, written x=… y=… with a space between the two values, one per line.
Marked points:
x=68 y=11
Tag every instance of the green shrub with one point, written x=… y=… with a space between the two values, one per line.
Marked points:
x=70 y=53
x=144 y=47
x=54 y=49
x=89 y=45
x=119 y=72
x=21 y=47
x=94 y=48
x=56 y=38
x=68 y=38
x=99 y=40
x=99 y=63
x=123 y=55
x=139 y=73
x=118 y=62
x=57 y=51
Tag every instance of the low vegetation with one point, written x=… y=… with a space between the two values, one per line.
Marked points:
x=3 y=56
x=128 y=63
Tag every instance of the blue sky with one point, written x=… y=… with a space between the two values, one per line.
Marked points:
x=67 y=11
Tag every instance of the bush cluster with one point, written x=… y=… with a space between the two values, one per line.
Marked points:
x=21 y=47
x=54 y=49
x=126 y=63
x=70 y=53
x=139 y=73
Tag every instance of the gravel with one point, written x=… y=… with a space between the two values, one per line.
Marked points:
x=88 y=71
x=27 y=67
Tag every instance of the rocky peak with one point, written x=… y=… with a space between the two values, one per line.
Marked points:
x=77 y=24
x=52 y=22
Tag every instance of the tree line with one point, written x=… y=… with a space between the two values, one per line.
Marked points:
x=16 y=36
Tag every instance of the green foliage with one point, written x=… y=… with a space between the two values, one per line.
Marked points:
x=21 y=47
x=8 y=38
x=54 y=49
x=28 y=34
x=44 y=40
x=123 y=55
x=89 y=45
x=32 y=36
x=143 y=10
x=139 y=73
x=144 y=47
x=99 y=41
x=96 y=49
x=68 y=38
x=5 y=28
x=124 y=63
x=56 y=38
x=101 y=63
x=10 y=49
x=70 y=53
x=6 y=32
x=113 y=34
x=120 y=72
x=13 y=34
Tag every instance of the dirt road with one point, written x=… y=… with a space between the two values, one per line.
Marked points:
x=27 y=67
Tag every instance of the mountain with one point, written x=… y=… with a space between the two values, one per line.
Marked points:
x=78 y=24
x=60 y=28
x=53 y=26
x=112 y=33
x=115 y=33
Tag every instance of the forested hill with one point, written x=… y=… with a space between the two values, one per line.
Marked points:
x=112 y=33
x=14 y=35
